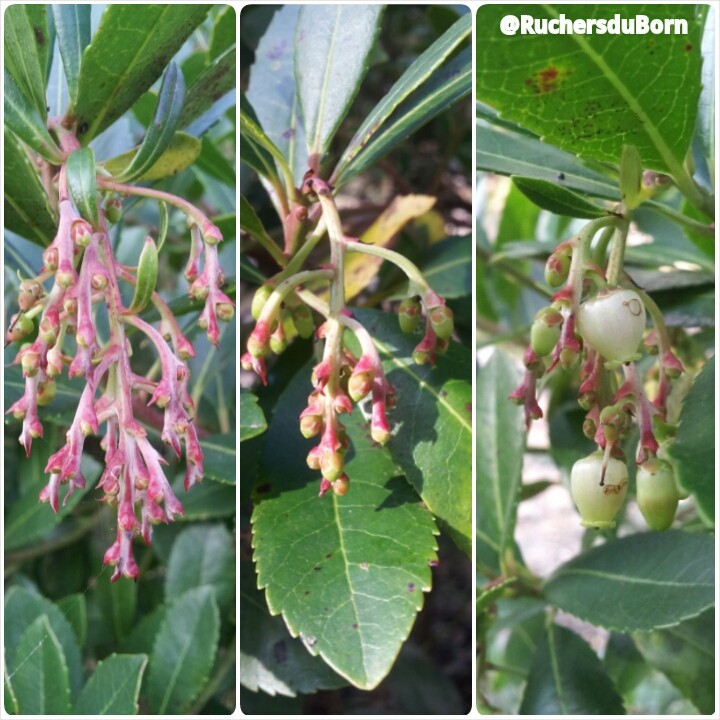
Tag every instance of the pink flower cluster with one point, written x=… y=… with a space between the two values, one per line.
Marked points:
x=85 y=278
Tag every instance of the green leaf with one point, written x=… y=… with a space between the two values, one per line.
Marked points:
x=272 y=660
x=212 y=161
x=184 y=652
x=412 y=79
x=513 y=637
x=499 y=460
x=432 y=436
x=40 y=676
x=251 y=223
x=202 y=555
x=147 y=275
x=162 y=129
x=11 y=703
x=83 y=184
x=332 y=44
x=142 y=637
x=118 y=604
x=74 y=608
x=28 y=520
x=655 y=579
x=567 y=678
x=179 y=154
x=128 y=53
x=27 y=207
x=222 y=35
x=27 y=43
x=205 y=501
x=264 y=147
x=449 y=267
x=590 y=94
x=272 y=90
x=252 y=420
x=72 y=24
x=163 y=225
x=114 y=687
x=625 y=666
x=220 y=452
x=216 y=80
x=347 y=573
x=447 y=85
x=509 y=153
x=253 y=154
x=24 y=121
x=693 y=451
x=557 y=199
x=686 y=654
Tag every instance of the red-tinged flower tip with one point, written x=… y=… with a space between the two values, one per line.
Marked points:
x=211 y=234
x=65 y=275
x=49 y=494
x=441 y=319
x=341 y=403
x=311 y=425
x=51 y=258
x=258 y=342
x=55 y=362
x=517 y=396
x=225 y=311
x=20 y=327
x=126 y=516
x=257 y=365
x=313 y=458
x=672 y=367
x=325 y=485
x=30 y=362
x=360 y=384
x=331 y=464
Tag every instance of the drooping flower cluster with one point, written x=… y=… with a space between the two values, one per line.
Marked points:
x=281 y=308
x=83 y=276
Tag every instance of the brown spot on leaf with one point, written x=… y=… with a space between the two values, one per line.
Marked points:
x=39 y=35
x=547 y=80
x=688 y=47
x=411 y=587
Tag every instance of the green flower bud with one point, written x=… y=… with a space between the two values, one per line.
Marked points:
x=409 y=314
x=261 y=296
x=545 y=331
x=441 y=319
x=303 y=319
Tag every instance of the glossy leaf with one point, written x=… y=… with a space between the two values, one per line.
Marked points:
x=253 y=154
x=272 y=660
x=23 y=119
x=202 y=555
x=72 y=25
x=220 y=452
x=271 y=89
x=118 y=67
x=114 y=687
x=83 y=184
x=180 y=154
x=686 y=654
x=251 y=223
x=557 y=199
x=27 y=45
x=252 y=420
x=332 y=44
x=567 y=678
x=147 y=275
x=222 y=35
x=184 y=652
x=656 y=579
x=118 y=604
x=347 y=573
x=499 y=460
x=22 y=607
x=40 y=676
x=162 y=129
x=27 y=207
x=11 y=703
x=449 y=267
x=584 y=93
x=447 y=85
x=517 y=628
x=432 y=435
x=216 y=80
x=74 y=608
x=361 y=269
x=509 y=153
x=212 y=161
x=412 y=79
x=205 y=501
x=694 y=449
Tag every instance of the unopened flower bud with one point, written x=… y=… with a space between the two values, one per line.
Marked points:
x=51 y=258
x=341 y=485
x=257 y=347
x=30 y=363
x=99 y=281
x=65 y=278
x=313 y=459
x=409 y=314
x=259 y=299
x=441 y=319
x=331 y=465
x=81 y=233
x=46 y=392
x=199 y=290
x=420 y=357
x=545 y=331
x=113 y=209
x=303 y=320
x=569 y=358
x=311 y=425
x=225 y=311
x=360 y=384
x=379 y=434
x=20 y=327
x=26 y=300
x=558 y=267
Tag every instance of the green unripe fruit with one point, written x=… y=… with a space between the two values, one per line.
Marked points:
x=113 y=210
x=331 y=465
x=441 y=319
x=46 y=392
x=545 y=331
x=598 y=504
x=302 y=317
x=613 y=323
x=557 y=268
x=360 y=384
x=278 y=343
x=260 y=297
x=657 y=493
x=341 y=485
x=311 y=425
x=257 y=348
x=409 y=314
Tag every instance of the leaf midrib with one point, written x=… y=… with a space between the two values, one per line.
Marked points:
x=631 y=579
